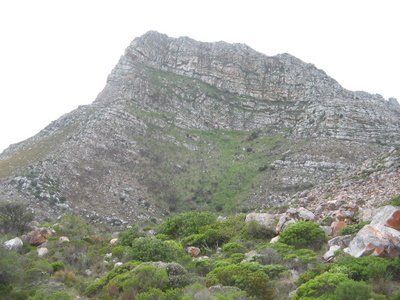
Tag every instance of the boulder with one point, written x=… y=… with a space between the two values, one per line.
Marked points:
x=327 y=230
x=330 y=254
x=63 y=239
x=291 y=216
x=38 y=236
x=342 y=241
x=387 y=216
x=377 y=240
x=337 y=226
x=274 y=240
x=117 y=264
x=366 y=214
x=193 y=251
x=42 y=251
x=381 y=237
x=14 y=244
x=114 y=242
x=283 y=223
x=268 y=221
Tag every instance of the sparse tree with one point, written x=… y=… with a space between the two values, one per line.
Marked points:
x=14 y=217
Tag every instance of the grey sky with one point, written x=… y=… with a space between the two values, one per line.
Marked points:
x=56 y=55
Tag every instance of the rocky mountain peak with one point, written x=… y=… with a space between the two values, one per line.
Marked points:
x=233 y=67
x=186 y=125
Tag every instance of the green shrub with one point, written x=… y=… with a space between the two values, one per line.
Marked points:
x=157 y=294
x=248 y=277
x=185 y=224
x=14 y=217
x=303 y=234
x=395 y=201
x=152 y=249
x=321 y=287
x=128 y=236
x=353 y=228
x=352 y=290
x=363 y=268
x=290 y=253
x=233 y=247
x=57 y=266
x=75 y=227
x=141 y=279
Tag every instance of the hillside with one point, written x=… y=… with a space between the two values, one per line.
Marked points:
x=186 y=125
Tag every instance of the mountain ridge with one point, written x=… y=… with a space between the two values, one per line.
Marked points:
x=183 y=124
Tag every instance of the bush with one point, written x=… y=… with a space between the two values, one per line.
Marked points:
x=248 y=277
x=321 y=287
x=363 y=268
x=303 y=234
x=353 y=229
x=352 y=290
x=14 y=217
x=152 y=249
x=395 y=201
x=187 y=223
x=141 y=279
x=126 y=237
x=75 y=227
x=233 y=247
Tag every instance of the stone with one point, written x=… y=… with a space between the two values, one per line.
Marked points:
x=268 y=221
x=337 y=226
x=388 y=216
x=274 y=240
x=381 y=237
x=114 y=242
x=117 y=264
x=327 y=230
x=63 y=239
x=376 y=240
x=249 y=256
x=39 y=236
x=330 y=254
x=193 y=251
x=283 y=223
x=342 y=241
x=42 y=251
x=305 y=215
x=14 y=244
x=366 y=214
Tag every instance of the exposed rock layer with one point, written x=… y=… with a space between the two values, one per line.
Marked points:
x=182 y=124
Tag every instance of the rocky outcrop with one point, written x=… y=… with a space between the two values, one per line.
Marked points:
x=380 y=238
x=181 y=123
x=291 y=216
x=268 y=221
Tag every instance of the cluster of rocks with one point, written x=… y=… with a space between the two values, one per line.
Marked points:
x=379 y=238
x=37 y=237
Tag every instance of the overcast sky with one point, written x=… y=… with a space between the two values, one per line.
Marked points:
x=56 y=55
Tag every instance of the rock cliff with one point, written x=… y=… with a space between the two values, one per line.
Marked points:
x=183 y=124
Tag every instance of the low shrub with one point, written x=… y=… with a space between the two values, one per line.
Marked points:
x=152 y=249
x=353 y=228
x=233 y=247
x=185 y=224
x=303 y=234
x=128 y=236
x=249 y=277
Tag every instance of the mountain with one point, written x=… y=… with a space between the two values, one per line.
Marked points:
x=187 y=125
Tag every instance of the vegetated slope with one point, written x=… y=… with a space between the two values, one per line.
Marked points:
x=186 y=125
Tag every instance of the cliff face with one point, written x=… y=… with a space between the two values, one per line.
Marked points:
x=184 y=125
